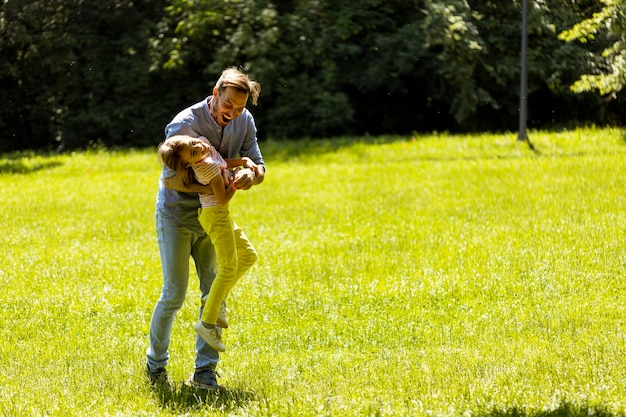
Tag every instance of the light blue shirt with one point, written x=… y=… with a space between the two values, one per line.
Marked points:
x=237 y=139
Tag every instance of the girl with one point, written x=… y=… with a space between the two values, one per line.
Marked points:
x=197 y=159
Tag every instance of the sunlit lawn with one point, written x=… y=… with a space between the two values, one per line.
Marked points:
x=398 y=276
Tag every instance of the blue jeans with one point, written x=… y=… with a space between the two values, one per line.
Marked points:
x=176 y=245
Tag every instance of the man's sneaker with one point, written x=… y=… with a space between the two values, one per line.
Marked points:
x=204 y=379
x=221 y=316
x=157 y=376
x=211 y=335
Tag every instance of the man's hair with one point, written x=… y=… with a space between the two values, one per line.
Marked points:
x=169 y=155
x=233 y=77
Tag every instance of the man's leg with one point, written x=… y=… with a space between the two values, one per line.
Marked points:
x=207 y=358
x=175 y=249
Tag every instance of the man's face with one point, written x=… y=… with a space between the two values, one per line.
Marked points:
x=227 y=105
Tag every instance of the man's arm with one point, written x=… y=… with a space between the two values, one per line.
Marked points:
x=177 y=182
x=250 y=148
x=259 y=174
x=240 y=162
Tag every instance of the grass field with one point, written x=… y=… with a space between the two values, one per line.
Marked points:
x=434 y=275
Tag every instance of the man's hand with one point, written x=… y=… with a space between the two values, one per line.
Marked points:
x=247 y=177
x=249 y=163
x=244 y=179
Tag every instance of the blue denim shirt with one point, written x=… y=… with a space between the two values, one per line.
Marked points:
x=237 y=139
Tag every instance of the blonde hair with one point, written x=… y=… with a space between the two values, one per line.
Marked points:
x=169 y=155
x=233 y=77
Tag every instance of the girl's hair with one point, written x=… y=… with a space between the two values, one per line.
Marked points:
x=169 y=155
x=233 y=77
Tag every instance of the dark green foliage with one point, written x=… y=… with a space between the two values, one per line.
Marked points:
x=76 y=73
x=80 y=73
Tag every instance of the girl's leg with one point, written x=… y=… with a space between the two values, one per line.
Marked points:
x=246 y=253
x=247 y=256
x=220 y=228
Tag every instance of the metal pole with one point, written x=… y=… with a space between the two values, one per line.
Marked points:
x=523 y=87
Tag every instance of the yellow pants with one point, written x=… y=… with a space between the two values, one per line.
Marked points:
x=234 y=255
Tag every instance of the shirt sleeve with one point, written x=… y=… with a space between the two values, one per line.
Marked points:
x=180 y=129
x=250 y=146
x=204 y=173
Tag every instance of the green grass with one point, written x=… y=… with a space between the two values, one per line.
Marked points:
x=398 y=276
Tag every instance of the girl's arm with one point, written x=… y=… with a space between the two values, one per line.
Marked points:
x=222 y=193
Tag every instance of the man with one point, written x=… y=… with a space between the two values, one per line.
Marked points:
x=223 y=119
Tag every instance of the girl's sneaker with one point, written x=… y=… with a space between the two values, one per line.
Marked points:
x=221 y=316
x=212 y=335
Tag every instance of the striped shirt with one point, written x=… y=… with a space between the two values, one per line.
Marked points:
x=205 y=170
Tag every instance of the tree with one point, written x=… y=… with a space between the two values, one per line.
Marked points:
x=609 y=76
x=35 y=56
x=76 y=72
x=329 y=67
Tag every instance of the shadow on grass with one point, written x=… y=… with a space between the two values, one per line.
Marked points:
x=184 y=398
x=565 y=409
x=287 y=151
x=18 y=166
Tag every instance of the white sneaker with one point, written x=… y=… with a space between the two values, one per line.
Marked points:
x=221 y=316
x=212 y=336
